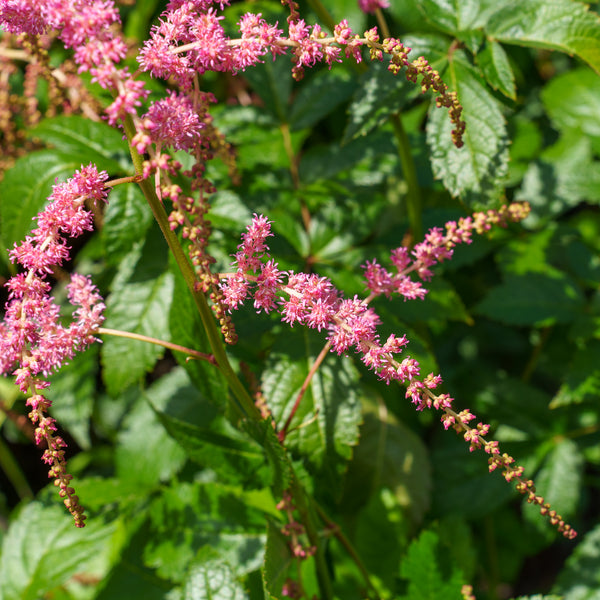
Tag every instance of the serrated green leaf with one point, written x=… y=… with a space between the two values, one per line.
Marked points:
x=495 y=66
x=572 y=101
x=319 y=97
x=559 y=481
x=42 y=550
x=580 y=578
x=211 y=578
x=26 y=187
x=325 y=426
x=126 y=221
x=422 y=569
x=583 y=377
x=533 y=299
x=278 y=560
x=476 y=171
x=89 y=141
x=186 y=518
x=140 y=302
x=146 y=453
x=212 y=442
x=451 y=16
x=562 y=25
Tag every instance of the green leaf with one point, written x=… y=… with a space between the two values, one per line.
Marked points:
x=211 y=578
x=42 y=550
x=389 y=455
x=26 y=187
x=533 y=299
x=278 y=560
x=559 y=481
x=422 y=569
x=379 y=94
x=476 y=171
x=217 y=446
x=580 y=578
x=126 y=221
x=562 y=25
x=451 y=16
x=272 y=81
x=583 y=377
x=139 y=303
x=146 y=453
x=563 y=177
x=89 y=141
x=572 y=101
x=187 y=518
x=325 y=427
x=496 y=69
x=320 y=96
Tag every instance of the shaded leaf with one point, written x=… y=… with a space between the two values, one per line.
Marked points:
x=187 y=518
x=580 y=579
x=533 y=299
x=423 y=571
x=278 y=560
x=389 y=455
x=379 y=94
x=583 y=377
x=319 y=97
x=325 y=426
x=559 y=481
x=127 y=219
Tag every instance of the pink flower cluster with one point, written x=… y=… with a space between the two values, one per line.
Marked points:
x=86 y=26
x=313 y=301
x=33 y=340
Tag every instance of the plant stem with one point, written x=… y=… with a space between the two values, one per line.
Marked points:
x=413 y=195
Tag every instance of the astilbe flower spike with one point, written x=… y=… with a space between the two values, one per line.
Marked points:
x=190 y=40
x=350 y=323
x=33 y=341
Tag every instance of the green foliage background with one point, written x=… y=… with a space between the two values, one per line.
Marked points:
x=182 y=504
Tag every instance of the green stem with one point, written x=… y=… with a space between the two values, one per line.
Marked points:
x=244 y=403
x=413 y=195
x=345 y=542
x=304 y=506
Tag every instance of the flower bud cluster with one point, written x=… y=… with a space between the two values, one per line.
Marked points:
x=33 y=340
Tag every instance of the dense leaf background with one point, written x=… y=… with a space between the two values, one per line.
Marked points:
x=182 y=504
